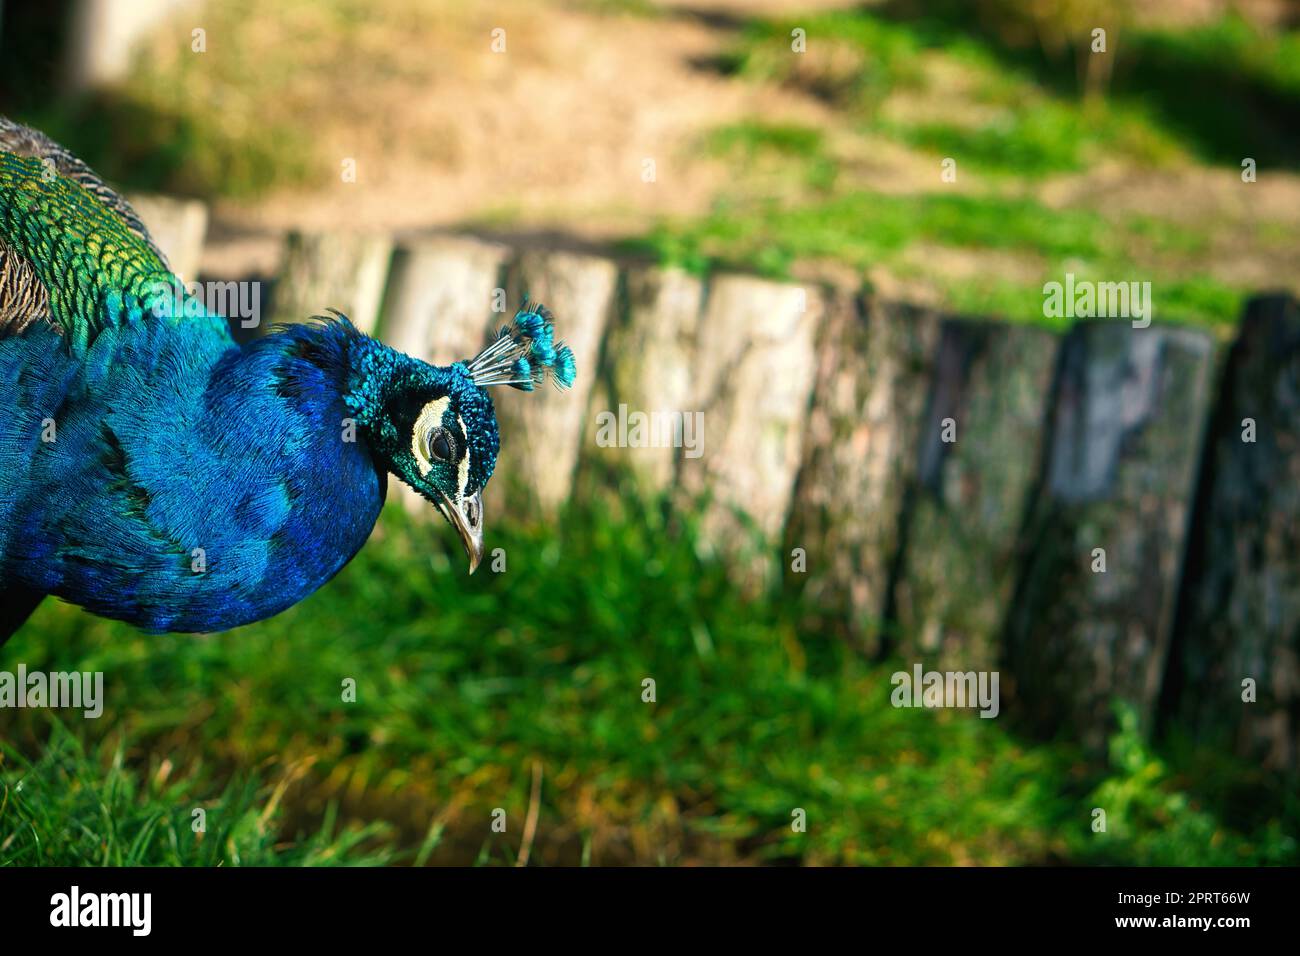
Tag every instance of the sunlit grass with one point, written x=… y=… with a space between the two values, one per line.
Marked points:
x=1002 y=125
x=463 y=685
x=867 y=230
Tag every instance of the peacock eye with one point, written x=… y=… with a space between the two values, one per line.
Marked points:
x=440 y=444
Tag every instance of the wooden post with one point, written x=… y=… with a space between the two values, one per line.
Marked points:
x=1240 y=619
x=445 y=295
x=980 y=450
x=754 y=373
x=1092 y=615
x=542 y=431
x=872 y=378
x=339 y=271
x=649 y=354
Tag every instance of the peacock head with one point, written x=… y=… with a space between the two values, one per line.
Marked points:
x=435 y=428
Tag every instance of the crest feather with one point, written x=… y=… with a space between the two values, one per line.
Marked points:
x=525 y=353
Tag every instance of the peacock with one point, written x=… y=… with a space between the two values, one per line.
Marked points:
x=155 y=472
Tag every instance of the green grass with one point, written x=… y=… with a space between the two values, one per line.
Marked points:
x=74 y=807
x=1206 y=89
x=466 y=684
x=865 y=230
x=1052 y=137
x=852 y=61
x=623 y=8
x=862 y=229
x=794 y=200
x=857 y=61
x=753 y=142
x=1234 y=45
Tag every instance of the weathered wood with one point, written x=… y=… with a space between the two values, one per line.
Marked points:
x=442 y=293
x=649 y=357
x=439 y=307
x=543 y=430
x=1128 y=419
x=1241 y=600
x=178 y=226
x=980 y=451
x=754 y=373
x=340 y=271
x=872 y=378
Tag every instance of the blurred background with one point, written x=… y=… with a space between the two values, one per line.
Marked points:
x=527 y=127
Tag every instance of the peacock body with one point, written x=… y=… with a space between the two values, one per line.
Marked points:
x=155 y=472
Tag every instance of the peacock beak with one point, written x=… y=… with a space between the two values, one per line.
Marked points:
x=467 y=519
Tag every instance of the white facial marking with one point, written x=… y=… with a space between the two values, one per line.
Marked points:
x=430 y=417
x=463 y=477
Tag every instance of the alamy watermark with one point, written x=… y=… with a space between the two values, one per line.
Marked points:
x=923 y=688
x=234 y=300
x=58 y=689
x=133 y=911
x=1085 y=299
x=637 y=429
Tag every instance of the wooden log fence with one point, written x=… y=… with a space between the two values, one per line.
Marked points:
x=1235 y=679
x=1082 y=513
x=982 y=444
x=872 y=378
x=1092 y=617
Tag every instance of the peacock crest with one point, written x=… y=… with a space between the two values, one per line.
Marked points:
x=525 y=353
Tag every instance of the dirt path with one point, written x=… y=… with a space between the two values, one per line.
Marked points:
x=558 y=130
